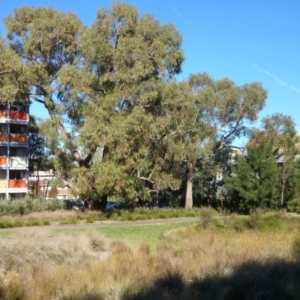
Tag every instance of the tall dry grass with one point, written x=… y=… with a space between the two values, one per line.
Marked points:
x=189 y=263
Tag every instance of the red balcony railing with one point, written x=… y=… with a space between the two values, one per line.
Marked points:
x=3 y=114
x=18 y=115
x=2 y=160
x=20 y=183
x=18 y=138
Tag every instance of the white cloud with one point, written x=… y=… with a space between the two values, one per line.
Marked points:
x=180 y=15
x=277 y=79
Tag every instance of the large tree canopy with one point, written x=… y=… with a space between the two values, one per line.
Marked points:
x=85 y=75
x=120 y=123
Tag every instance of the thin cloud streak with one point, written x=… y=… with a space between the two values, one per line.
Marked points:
x=180 y=15
x=277 y=79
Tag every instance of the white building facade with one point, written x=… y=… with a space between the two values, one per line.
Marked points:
x=14 y=122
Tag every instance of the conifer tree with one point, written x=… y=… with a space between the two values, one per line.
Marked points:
x=254 y=179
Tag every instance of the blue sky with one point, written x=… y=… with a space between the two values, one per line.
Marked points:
x=244 y=40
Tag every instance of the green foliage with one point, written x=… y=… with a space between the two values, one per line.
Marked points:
x=119 y=124
x=292 y=191
x=274 y=222
x=279 y=130
x=254 y=179
x=294 y=205
x=29 y=205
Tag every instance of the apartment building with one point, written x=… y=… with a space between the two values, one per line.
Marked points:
x=14 y=121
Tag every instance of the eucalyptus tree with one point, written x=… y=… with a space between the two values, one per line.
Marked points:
x=193 y=122
x=94 y=81
x=225 y=110
x=119 y=122
x=14 y=82
x=46 y=41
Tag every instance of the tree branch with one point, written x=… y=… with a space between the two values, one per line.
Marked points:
x=154 y=191
x=36 y=99
x=145 y=178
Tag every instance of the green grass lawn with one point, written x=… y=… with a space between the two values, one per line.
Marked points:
x=132 y=234
x=137 y=234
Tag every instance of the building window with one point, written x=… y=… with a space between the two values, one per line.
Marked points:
x=3 y=151
x=3 y=128
x=17 y=174
x=16 y=128
x=20 y=152
x=2 y=174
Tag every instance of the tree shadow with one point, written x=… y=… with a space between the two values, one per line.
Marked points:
x=274 y=279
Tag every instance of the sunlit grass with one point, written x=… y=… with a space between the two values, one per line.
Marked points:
x=147 y=261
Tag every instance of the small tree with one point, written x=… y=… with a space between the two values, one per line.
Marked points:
x=254 y=179
x=279 y=130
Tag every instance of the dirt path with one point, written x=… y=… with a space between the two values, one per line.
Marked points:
x=109 y=224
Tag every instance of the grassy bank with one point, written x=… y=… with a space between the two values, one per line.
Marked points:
x=67 y=217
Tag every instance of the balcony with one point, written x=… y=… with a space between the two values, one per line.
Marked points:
x=18 y=115
x=19 y=183
x=18 y=138
x=17 y=161
x=3 y=114
x=3 y=138
x=3 y=184
x=2 y=160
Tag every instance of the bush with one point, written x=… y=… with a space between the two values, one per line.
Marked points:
x=206 y=215
x=255 y=220
x=237 y=223
x=294 y=205
x=274 y=220
x=28 y=205
x=71 y=221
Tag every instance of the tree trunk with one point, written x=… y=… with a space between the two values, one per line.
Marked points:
x=103 y=202
x=284 y=176
x=97 y=203
x=282 y=195
x=189 y=185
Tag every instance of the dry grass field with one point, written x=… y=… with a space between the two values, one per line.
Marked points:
x=189 y=262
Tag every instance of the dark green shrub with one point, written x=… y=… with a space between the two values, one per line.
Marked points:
x=294 y=205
